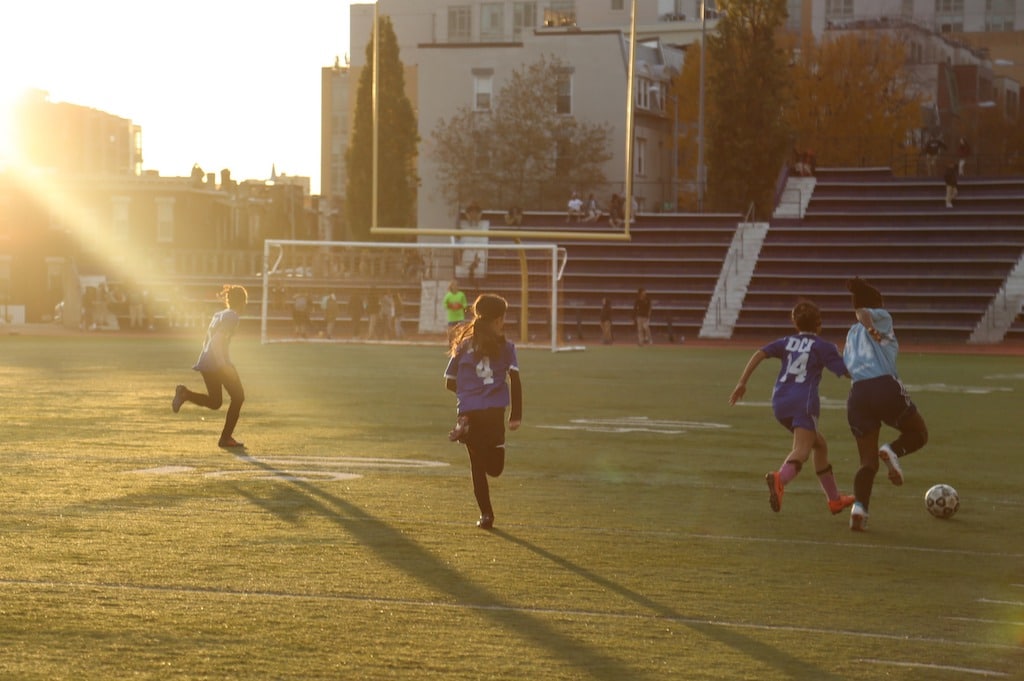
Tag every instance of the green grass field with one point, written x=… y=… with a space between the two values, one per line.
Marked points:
x=633 y=538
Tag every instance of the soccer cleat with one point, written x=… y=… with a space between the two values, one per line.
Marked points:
x=775 y=490
x=458 y=433
x=179 y=398
x=892 y=461
x=844 y=501
x=486 y=522
x=858 y=517
x=229 y=443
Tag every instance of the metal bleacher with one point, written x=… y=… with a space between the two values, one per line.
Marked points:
x=939 y=268
x=677 y=258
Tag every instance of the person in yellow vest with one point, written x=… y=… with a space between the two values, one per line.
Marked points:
x=455 y=305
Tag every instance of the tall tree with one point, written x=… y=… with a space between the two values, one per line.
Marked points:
x=397 y=140
x=746 y=80
x=524 y=151
x=851 y=100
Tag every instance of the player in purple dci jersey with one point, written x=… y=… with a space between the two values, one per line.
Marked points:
x=480 y=360
x=215 y=365
x=877 y=396
x=796 y=404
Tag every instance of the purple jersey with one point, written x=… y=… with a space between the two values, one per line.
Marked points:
x=480 y=382
x=804 y=357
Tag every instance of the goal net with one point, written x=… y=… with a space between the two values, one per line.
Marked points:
x=338 y=291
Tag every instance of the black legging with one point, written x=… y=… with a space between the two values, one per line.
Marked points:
x=216 y=382
x=486 y=445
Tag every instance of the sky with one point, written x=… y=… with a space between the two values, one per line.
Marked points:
x=223 y=83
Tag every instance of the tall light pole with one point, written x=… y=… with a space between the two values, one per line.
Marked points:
x=700 y=113
x=663 y=99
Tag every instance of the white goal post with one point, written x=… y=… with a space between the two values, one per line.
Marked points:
x=393 y=292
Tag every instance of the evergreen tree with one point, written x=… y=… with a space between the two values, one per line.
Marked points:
x=397 y=140
x=746 y=79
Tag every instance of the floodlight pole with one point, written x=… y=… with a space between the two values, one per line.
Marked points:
x=628 y=201
x=700 y=112
x=374 y=97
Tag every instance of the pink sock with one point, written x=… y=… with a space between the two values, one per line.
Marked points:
x=787 y=472
x=828 y=484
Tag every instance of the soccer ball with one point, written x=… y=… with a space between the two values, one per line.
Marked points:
x=942 y=501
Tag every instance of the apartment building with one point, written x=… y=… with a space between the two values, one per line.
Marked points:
x=460 y=53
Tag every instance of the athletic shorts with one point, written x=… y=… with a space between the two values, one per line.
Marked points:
x=805 y=421
x=876 y=401
x=486 y=428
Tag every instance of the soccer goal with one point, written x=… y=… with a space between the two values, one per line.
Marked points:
x=338 y=291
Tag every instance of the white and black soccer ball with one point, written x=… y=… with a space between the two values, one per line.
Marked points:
x=942 y=501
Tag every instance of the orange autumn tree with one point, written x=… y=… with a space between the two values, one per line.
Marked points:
x=686 y=86
x=851 y=101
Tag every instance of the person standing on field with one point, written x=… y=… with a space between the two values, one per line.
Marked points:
x=642 y=317
x=455 y=303
x=216 y=368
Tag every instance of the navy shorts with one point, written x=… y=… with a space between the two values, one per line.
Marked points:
x=876 y=401
x=805 y=421
x=486 y=428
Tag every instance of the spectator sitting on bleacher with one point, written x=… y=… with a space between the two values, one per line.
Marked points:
x=575 y=208
x=592 y=212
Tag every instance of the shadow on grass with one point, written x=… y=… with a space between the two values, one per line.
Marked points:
x=769 y=655
x=403 y=553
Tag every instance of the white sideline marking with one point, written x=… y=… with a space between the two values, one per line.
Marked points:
x=964 y=389
x=980 y=620
x=635 y=424
x=943 y=667
x=164 y=470
x=350 y=461
x=329 y=471
x=560 y=612
x=998 y=602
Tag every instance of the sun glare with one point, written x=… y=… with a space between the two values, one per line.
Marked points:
x=7 y=146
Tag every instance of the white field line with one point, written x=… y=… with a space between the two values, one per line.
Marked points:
x=1019 y=604
x=980 y=620
x=559 y=612
x=939 y=667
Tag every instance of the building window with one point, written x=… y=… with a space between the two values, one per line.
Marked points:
x=483 y=86
x=647 y=95
x=563 y=102
x=121 y=222
x=838 y=9
x=949 y=15
x=165 y=219
x=999 y=15
x=561 y=14
x=459 y=23
x=524 y=18
x=640 y=157
x=492 y=21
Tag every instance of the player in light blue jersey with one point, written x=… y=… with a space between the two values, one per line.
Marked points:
x=877 y=396
x=480 y=360
x=215 y=365
x=796 y=403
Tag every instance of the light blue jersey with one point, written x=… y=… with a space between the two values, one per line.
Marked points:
x=215 y=354
x=867 y=358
